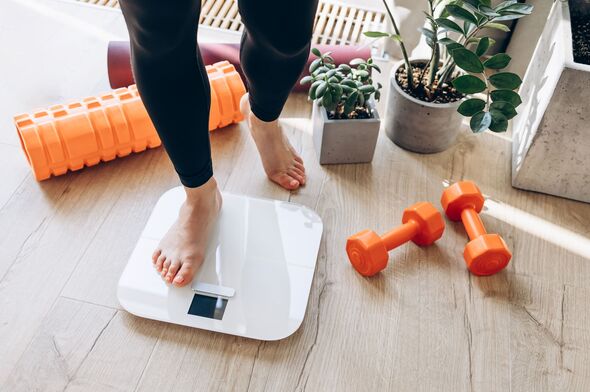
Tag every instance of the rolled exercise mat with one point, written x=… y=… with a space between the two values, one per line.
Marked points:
x=119 y=63
x=110 y=125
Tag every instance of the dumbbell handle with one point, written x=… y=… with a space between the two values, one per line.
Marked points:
x=400 y=235
x=473 y=224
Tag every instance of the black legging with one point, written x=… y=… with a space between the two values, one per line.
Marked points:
x=173 y=83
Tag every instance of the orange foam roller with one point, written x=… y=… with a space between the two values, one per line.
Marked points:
x=115 y=124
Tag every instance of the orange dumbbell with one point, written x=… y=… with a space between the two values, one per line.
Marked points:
x=485 y=254
x=368 y=252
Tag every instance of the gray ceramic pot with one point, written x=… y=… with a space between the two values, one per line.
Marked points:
x=419 y=126
x=344 y=141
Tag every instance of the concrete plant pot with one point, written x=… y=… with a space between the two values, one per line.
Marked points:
x=551 y=142
x=344 y=141
x=418 y=126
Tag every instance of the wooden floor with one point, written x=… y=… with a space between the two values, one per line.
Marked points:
x=423 y=324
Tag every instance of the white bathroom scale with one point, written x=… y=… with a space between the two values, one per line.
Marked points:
x=255 y=279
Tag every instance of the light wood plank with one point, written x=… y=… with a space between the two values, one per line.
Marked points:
x=68 y=334
x=423 y=324
x=119 y=357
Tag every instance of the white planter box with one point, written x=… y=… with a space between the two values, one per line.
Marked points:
x=344 y=141
x=551 y=143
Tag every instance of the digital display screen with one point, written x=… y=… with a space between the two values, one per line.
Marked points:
x=210 y=307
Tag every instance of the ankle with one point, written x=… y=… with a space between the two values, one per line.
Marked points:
x=203 y=192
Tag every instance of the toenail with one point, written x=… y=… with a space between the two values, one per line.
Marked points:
x=178 y=279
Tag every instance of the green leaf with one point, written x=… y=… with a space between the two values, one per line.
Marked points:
x=322 y=69
x=487 y=11
x=356 y=61
x=498 y=26
x=467 y=60
x=315 y=64
x=331 y=73
x=346 y=89
x=449 y=25
x=461 y=13
x=469 y=84
x=351 y=100
x=480 y=122
x=454 y=46
x=506 y=96
x=497 y=61
x=376 y=34
x=348 y=109
x=367 y=89
x=482 y=46
x=313 y=88
x=509 y=17
x=447 y=41
x=518 y=8
x=506 y=108
x=349 y=82
x=327 y=99
x=306 y=79
x=316 y=51
x=344 y=67
x=471 y=107
x=505 y=80
x=499 y=121
x=363 y=74
x=337 y=94
x=505 y=4
x=467 y=27
x=321 y=89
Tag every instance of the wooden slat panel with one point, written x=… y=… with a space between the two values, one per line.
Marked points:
x=334 y=21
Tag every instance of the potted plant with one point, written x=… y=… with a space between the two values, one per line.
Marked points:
x=425 y=93
x=345 y=120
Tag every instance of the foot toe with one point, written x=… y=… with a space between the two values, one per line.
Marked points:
x=296 y=156
x=174 y=267
x=299 y=166
x=155 y=255
x=184 y=275
x=298 y=175
x=286 y=181
x=160 y=262
x=165 y=267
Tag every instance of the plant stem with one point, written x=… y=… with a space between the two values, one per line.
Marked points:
x=435 y=59
x=409 y=69
x=487 y=90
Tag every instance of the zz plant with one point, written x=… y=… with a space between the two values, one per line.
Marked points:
x=343 y=90
x=456 y=34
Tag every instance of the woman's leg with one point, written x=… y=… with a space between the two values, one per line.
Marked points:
x=174 y=88
x=275 y=48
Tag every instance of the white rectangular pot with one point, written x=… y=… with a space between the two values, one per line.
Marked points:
x=344 y=141
x=551 y=142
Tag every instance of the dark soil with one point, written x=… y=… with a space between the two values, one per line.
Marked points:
x=445 y=94
x=360 y=112
x=580 y=23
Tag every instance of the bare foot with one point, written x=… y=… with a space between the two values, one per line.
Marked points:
x=281 y=163
x=182 y=250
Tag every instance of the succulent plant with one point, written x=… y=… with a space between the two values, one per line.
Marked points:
x=455 y=33
x=342 y=89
